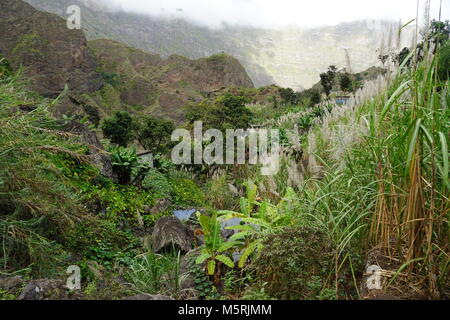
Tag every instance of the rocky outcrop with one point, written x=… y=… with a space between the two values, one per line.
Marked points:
x=97 y=153
x=169 y=232
x=162 y=86
x=51 y=54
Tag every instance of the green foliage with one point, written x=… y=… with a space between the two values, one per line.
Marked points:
x=218 y=58
x=156 y=274
x=119 y=128
x=439 y=32
x=215 y=249
x=327 y=80
x=203 y=285
x=5 y=68
x=218 y=193
x=227 y=112
x=101 y=241
x=443 y=68
x=5 y=295
x=113 y=78
x=126 y=162
x=295 y=264
x=288 y=96
x=37 y=204
x=157 y=184
x=345 y=82
x=186 y=193
x=122 y=203
x=256 y=223
x=155 y=134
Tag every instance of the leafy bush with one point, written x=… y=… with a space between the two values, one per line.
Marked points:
x=155 y=134
x=215 y=250
x=444 y=62
x=157 y=184
x=218 y=193
x=5 y=68
x=126 y=162
x=295 y=264
x=186 y=193
x=226 y=112
x=121 y=203
x=119 y=128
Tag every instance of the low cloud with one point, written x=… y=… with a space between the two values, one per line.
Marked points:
x=279 y=13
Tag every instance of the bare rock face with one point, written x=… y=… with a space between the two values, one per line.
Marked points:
x=164 y=86
x=169 y=232
x=51 y=54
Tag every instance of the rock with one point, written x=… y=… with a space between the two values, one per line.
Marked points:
x=12 y=285
x=168 y=232
x=52 y=55
x=31 y=292
x=48 y=289
x=148 y=297
x=161 y=206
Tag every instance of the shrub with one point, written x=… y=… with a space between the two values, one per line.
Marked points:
x=295 y=263
x=218 y=193
x=125 y=162
x=119 y=128
x=187 y=193
x=157 y=184
x=155 y=134
x=444 y=62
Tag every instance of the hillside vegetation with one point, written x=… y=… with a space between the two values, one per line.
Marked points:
x=359 y=208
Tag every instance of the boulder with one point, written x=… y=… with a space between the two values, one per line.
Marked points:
x=48 y=289
x=11 y=283
x=169 y=232
x=31 y=292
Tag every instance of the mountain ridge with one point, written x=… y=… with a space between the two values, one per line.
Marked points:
x=289 y=58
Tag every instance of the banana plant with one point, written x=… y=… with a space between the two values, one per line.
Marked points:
x=259 y=218
x=215 y=249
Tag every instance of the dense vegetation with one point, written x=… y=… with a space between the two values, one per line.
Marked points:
x=361 y=183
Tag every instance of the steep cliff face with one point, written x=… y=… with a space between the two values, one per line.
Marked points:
x=149 y=83
x=51 y=54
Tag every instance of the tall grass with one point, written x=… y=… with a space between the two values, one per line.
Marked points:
x=152 y=273
x=398 y=141
x=36 y=201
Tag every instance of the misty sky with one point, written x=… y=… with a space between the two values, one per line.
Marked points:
x=281 y=13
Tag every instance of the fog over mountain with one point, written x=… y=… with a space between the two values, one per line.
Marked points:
x=276 y=14
x=291 y=56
